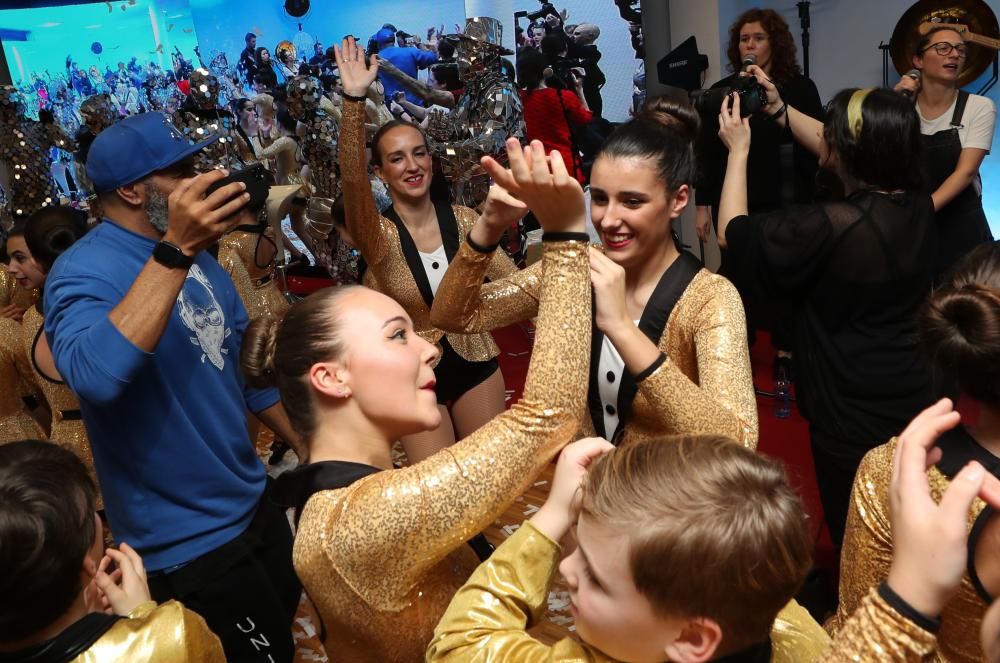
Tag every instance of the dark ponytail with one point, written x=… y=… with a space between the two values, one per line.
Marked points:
x=51 y=230
x=960 y=325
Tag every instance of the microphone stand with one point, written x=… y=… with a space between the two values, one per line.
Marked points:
x=804 y=21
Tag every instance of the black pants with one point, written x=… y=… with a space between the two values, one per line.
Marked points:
x=246 y=590
x=834 y=479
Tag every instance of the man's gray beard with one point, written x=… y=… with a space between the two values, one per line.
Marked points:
x=156 y=208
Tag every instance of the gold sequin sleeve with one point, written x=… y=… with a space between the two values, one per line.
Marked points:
x=867 y=550
x=877 y=633
x=169 y=633
x=464 y=304
x=363 y=219
x=384 y=532
x=486 y=620
x=722 y=401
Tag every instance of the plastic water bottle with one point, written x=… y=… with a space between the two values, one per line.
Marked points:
x=782 y=395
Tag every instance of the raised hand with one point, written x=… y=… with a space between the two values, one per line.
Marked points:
x=773 y=96
x=197 y=221
x=608 y=279
x=560 y=510
x=543 y=183
x=355 y=75
x=734 y=131
x=929 y=540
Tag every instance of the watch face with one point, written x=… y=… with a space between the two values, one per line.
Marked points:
x=169 y=255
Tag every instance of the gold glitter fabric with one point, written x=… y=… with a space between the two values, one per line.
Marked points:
x=378 y=240
x=867 y=556
x=382 y=558
x=877 y=633
x=256 y=286
x=12 y=293
x=169 y=633
x=15 y=370
x=704 y=387
x=487 y=619
x=69 y=433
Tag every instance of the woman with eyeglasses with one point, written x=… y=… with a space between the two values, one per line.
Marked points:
x=957 y=133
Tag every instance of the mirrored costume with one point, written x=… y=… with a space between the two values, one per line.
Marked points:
x=201 y=117
x=486 y=115
x=98 y=113
x=26 y=158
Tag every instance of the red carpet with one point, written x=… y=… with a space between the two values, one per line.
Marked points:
x=785 y=439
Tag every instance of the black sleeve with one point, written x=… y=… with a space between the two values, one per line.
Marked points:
x=709 y=156
x=777 y=254
x=803 y=95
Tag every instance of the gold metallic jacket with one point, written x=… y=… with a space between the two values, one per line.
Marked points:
x=169 y=633
x=257 y=287
x=487 y=619
x=378 y=240
x=382 y=558
x=704 y=387
x=15 y=370
x=69 y=433
x=867 y=556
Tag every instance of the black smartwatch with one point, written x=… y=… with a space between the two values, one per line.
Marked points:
x=171 y=256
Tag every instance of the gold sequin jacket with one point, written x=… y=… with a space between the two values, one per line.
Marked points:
x=15 y=370
x=867 y=556
x=705 y=386
x=169 y=633
x=486 y=620
x=382 y=558
x=378 y=240
x=256 y=286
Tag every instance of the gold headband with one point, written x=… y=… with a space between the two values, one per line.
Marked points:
x=854 y=117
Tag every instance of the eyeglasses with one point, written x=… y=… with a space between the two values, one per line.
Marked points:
x=945 y=48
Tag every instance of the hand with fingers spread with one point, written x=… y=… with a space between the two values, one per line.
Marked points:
x=560 y=510
x=197 y=221
x=543 y=183
x=734 y=131
x=127 y=587
x=608 y=279
x=355 y=75
x=929 y=540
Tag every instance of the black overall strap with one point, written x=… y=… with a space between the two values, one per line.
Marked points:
x=960 y=103
x=449 y=238
x=655 y=315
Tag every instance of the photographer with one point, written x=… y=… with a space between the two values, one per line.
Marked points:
x=583 y=49
x=551 y=114
x=780 y=172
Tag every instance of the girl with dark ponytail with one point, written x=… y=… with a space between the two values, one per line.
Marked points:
x=45 y=235
x=381 y=551
x=669 y=354
x=845 y=277
x=959 y=331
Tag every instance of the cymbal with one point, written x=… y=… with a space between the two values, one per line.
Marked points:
x=975 y=14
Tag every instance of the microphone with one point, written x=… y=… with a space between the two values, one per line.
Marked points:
x=750 y=59
x=915 y=75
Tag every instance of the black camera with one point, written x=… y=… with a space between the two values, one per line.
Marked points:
x=547 y=10
x=753 y=97
x=258 y=181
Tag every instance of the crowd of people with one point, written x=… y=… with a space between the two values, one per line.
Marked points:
x=153 y=365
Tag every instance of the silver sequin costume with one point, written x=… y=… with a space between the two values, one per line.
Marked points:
x=204 y=118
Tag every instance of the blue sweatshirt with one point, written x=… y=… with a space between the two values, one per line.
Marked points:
x=168 y=429
x=407 y=59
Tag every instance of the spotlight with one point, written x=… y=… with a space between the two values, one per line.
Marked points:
x=297 y=8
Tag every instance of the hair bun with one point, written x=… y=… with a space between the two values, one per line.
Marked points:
x=260 y=343
x=671 y=115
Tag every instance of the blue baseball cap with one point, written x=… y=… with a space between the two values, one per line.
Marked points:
x=384 y=36
x=136 y=147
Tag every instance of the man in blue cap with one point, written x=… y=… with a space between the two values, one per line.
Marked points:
x=408 y=59
x=145 y=327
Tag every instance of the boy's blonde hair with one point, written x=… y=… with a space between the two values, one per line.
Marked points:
x=715 y=530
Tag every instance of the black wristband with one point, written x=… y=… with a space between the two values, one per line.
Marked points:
x=565 y=237
x=906 y=610
x=778 y=113
x=479 y=248
x=351 y=97
x=651 y=368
